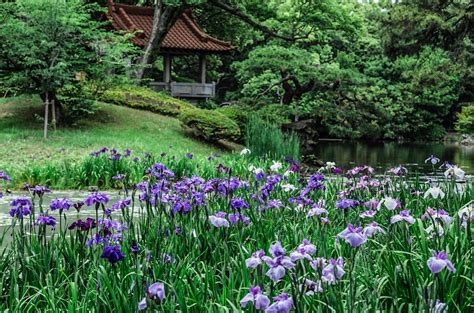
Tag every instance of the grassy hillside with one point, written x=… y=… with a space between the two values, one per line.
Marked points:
x=21 y=139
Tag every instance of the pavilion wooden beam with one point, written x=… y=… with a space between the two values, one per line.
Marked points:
x=202 y=66
x=167 y=68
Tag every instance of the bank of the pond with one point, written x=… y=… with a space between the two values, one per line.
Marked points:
x=21 y=142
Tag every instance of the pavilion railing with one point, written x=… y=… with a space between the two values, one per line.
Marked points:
x=187 y=90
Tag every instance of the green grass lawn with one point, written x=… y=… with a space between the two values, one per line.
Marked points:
x=21 y=134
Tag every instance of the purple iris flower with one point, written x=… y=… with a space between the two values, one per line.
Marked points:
x=398 y=171
x=403 y=216
x=127 y=152
x=112 y=253
x=256 y=259
x=256 y=296
x=317 y=209
x=60 y=204
x=304 y=251
x=283 y=304
x=218 y=219
x=156 y=291
x=121 y=204
x=353 y=235
x=336 y=170
x=142 y=304
x=40 y=190
x=345 y=203
x=279 y=263
x=433 y=160
x=237 y=217
x=20 y=207
x=238 y=204
x=97 y=198
x=437 y=214
x=318 y=263
x=368 y=214
x=118 y=177
x=312 y=287
x=372 y=204
x=439 y=261
x=46 y=220
x=189 y=155
x=373 y=229
x=333 y=271
x=4 y=176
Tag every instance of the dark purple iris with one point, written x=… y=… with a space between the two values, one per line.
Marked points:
x=134 y=247
x=113 y=254
x=189 y=155
x=89 y=223
x=127 y=152
x=238 y=204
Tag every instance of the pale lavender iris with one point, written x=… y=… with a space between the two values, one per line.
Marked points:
x=304 y=251
x=368 y=214
x=441 y=214
x=279 y=263
x=373 y=229
x=433 y=160
x=156 y=291
x=403 y=216
x=371 y=204
x=283 y=304
x=256 y=296
x=317 y=209
x=256 y=259
x=333 y=271
x=218 y=220
x=311 y=287
x=346 y=203
x=354 y=236
x=439 y=261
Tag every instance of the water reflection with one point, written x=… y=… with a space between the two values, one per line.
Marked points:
x=385 y=155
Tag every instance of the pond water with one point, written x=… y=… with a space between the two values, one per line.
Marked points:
x=71 y=215
x=382 y=156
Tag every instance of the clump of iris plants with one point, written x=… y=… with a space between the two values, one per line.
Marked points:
x=266 y=236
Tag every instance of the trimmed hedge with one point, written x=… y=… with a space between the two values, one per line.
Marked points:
x=145 y=99
x=209 y=124
x=239 y=114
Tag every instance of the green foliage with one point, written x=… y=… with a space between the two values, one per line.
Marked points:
x=276 y=114
x=465 y=121
x=210 y=125
x=145 y=99
x=76 y=103
x=238 y=113
x=44 y=43
x=267 y=139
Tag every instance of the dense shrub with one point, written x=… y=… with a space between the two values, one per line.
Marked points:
x=267 y=139
x=76 y=103
x=465 y=122
x=210 y=125
x=239 y=114
x=145 y=99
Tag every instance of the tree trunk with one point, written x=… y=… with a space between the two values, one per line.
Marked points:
x=46 y=115
x=164 y=17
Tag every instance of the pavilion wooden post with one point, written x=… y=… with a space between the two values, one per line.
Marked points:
x=167 y=70
x=202 y=66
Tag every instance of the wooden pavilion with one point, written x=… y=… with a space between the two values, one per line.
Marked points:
x=185 y=37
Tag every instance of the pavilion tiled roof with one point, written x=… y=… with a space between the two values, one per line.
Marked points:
x=185 y=35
